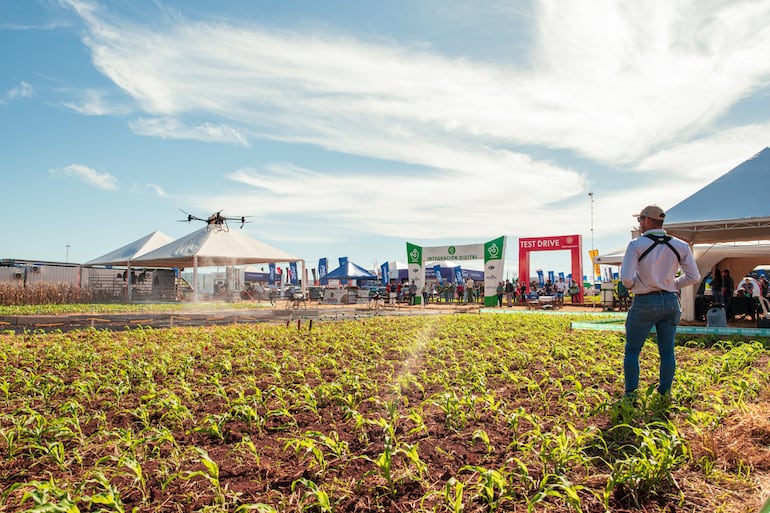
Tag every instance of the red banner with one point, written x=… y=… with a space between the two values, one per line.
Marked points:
x=546 y=243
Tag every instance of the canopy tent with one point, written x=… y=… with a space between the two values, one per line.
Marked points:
x=731 y=209
x=122 y=255
x=447 y=268
x=349 y=271
x=398 y=270
x=740 y=258
x=213 y=247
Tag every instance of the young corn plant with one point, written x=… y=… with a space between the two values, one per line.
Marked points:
x=491 y=485
x=649 y=466
x=453 y=495
x=307 y=445
x=210 y=472
x=314 y=496
x=47 y=496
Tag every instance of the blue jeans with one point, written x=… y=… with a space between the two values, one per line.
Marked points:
x=662 y=311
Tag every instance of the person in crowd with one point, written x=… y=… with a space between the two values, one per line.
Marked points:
x=412 y=293
x=716 y=286
x=623 y=296
x=460 y=292
x=392 y=293
x=523 y=292
x=509 y=293
x=560 y=288
x=728 y=288
x=649 y=270
x=425 y=294
x=469 y=284
x=500 y=291
x=574 y=291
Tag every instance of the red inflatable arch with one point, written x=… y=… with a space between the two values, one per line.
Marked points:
x=572 y=243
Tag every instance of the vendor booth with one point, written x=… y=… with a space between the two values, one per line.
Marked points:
x=727 y=223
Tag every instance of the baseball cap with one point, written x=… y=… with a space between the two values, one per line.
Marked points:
x=652 y=212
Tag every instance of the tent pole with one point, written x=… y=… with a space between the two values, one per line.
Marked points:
x=128 y=281
x=195 y=278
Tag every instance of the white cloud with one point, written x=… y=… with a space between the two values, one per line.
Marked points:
x=89 y=175
x=169 y=128
x=23 y=90
x=93 y=102
x=642 y=89
x=650 y=75
x=157 y=189
x=708 y=158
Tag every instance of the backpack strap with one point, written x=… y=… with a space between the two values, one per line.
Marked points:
x=660 y=239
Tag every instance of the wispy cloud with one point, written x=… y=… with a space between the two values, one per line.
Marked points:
x=23 y=90
x=169 y=128
x=628 y=86
x=22 y=27
x=94 y=102
x=89 y=175
x=157 y=189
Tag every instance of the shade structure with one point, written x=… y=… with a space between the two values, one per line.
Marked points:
x=139 y=247
x=733 y=207
x=740 y=258
x=213 y=247
x=350 y=271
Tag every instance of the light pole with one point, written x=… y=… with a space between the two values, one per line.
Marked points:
x=591 y=195
x=67 y=254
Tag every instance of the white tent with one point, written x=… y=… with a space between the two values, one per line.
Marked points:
x=717 y=218
x=734 y=207
x=210 y=246
x=122 y=255
x=394 y=268
x=740 y=258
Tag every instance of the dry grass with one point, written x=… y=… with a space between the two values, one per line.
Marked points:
x=43 y=294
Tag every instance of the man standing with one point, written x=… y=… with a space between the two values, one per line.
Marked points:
x=728 y=288
x=509 y=292
x=649 y=270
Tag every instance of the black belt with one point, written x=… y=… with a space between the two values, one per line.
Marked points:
x=655 y=293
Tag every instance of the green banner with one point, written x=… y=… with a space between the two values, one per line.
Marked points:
x=494 y=254
x=413 y=253
x=494 y=249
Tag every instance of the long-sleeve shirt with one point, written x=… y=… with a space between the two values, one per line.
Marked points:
x=657 y=270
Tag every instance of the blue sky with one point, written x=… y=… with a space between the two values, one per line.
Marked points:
x=349 y=128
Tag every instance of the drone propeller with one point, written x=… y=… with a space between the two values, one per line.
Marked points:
x=215 y=219
x=190 y=217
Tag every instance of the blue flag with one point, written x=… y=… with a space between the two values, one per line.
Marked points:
x=540 y=277
x=271 y=273
x=437 y=270
x=293 y=273
x=385 y=269
x=322 y=267
x=458 y=274
x=343 y=263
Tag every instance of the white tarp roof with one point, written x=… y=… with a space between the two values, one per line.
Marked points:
x=734 y=207
x=739 y=258
x=213 y=247
x=139 y=247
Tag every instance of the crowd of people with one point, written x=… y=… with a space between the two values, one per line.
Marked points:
x=471 y=291
x=517 y=292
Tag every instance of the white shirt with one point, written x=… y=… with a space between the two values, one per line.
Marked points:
x=657 y=270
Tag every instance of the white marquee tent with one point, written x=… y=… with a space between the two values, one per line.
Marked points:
x=122 y=255
x=212 y=246
x=719 y=220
